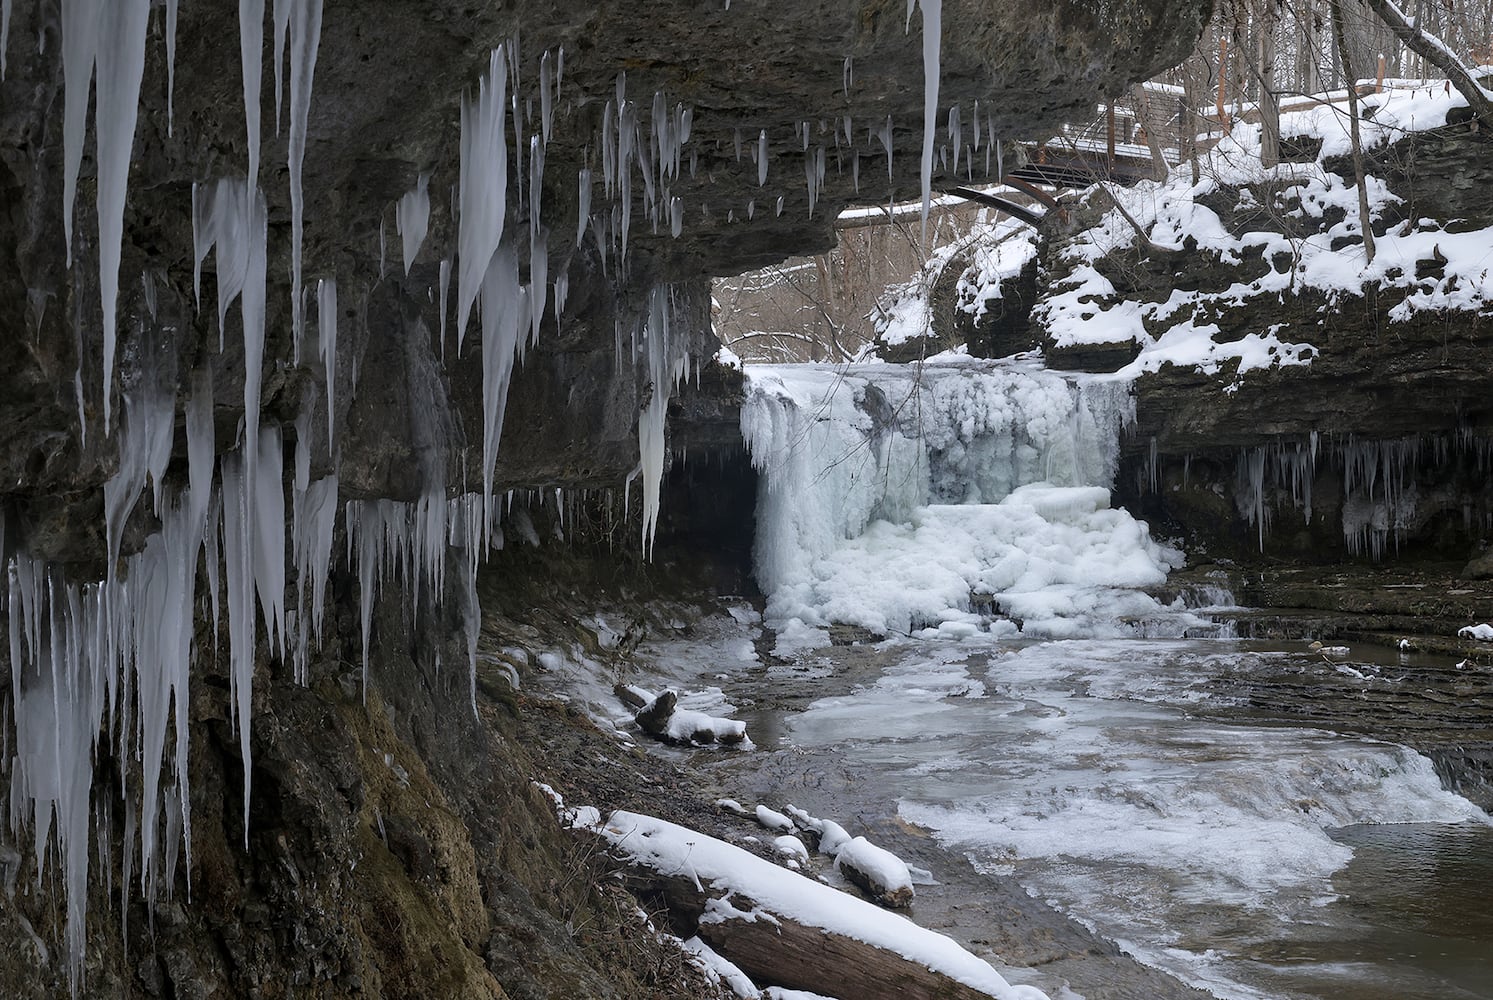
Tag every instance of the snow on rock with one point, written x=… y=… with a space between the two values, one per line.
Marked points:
x=908 y=498
x=828 y=835
x=1083 y=307
x=883 y=875
x=790 y=846
x=995 y=250
x=1481 y=633
x=771 y=819
x=730 y=873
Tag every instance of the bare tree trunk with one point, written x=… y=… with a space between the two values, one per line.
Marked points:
x=1150 y=126
x=1269 y=99
x=1363 y=191
x=1432 y=50
x=1308 y=79
x=1188 y=116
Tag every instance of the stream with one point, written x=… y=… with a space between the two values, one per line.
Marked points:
x=1139 y=787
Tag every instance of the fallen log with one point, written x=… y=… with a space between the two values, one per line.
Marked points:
x=783 y=929
x=662 y=718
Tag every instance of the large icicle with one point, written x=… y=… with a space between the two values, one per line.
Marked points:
x=666 y=363
x=81 y=23
x=231 y=216
x=932 y=31
x=412 y=218
x=484 y=185
x=305 y=39
x=121 y=66
x=251 y=56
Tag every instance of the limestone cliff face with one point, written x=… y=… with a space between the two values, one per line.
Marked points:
x=391 y=850
x=1378 y=447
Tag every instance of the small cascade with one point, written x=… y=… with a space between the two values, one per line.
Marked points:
x=911 y=499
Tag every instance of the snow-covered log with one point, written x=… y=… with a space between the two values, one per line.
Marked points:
x=783 y=929
x=664 y=720
x=880 y=873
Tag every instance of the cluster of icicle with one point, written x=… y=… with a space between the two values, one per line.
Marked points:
x=1379 y=491
x=107 y=664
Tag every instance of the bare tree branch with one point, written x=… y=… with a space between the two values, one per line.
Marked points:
x=1436 y=52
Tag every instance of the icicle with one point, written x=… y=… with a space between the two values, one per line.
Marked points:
x=413 y=219
x=546 y=98
x=666 y=363
x=562 y=292
x=445 y=282
x=500 y=341
x=484 y=185
x=305 y=39
x=762 y=159
x=201 y=444
x=171 y=6
x=81 y=23
x=251 y=56
x=281 y=19
x=269 y=533
x=536 y=183
x=676 y=216
x=315 y=519
x=885 y=135
x=846 y=77
x=239 y=567
x=956 y=136
x=1000 y=161
x=779 y=209
x=584 y=201
x=932 y=29
x=326 y=320
x=383 y=251
x=121 y=65
x=538 y=281
x=751 y=209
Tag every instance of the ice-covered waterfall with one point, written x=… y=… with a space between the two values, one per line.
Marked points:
x=945 y=500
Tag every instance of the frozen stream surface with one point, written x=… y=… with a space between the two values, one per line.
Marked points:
x=1128 y=784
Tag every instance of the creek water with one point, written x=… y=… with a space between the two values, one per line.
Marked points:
x=1258 y=821
x=1136 y=786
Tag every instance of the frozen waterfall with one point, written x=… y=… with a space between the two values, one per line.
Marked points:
x=943 y=500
